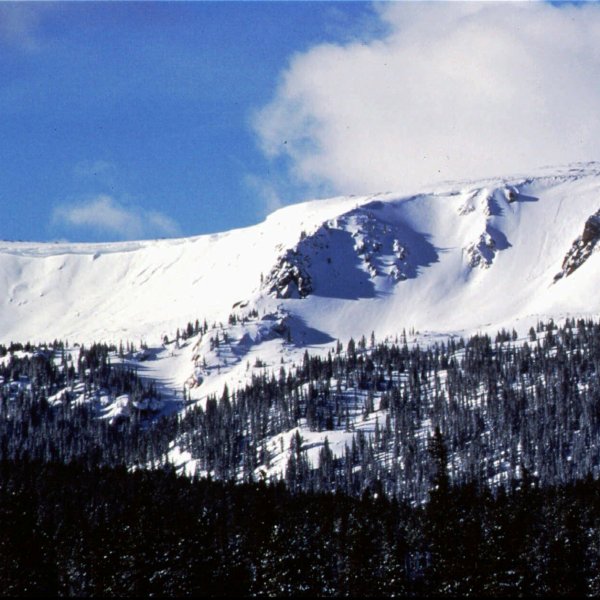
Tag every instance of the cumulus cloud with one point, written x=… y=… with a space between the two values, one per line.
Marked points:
x=104 y=215
x=452 y=91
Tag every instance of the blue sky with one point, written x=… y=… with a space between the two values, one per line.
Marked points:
x=124 y=120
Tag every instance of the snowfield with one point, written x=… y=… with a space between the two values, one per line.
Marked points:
x=461 y=258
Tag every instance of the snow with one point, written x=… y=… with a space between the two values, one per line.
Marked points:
x=461 y=258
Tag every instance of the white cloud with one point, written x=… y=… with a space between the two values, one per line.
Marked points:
x=106 y=216
x=454 y=90
x=267 y=194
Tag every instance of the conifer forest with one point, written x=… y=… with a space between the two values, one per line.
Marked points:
x=480 y=476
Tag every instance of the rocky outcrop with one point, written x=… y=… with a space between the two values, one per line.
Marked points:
x=481 y=253
x=489 y=201
x=591 y=231
x=350 y=256
x=376 y=245
x=290 y=278
x=582 y=247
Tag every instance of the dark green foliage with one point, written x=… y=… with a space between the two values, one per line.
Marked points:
x=68 y=530
x=504 y=409
x=500 y=497
x=33 y=427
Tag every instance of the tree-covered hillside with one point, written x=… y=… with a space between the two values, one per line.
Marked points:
x=503 y=407
x=471 y=468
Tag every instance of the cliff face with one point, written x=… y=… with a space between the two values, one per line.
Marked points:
x=582 y=247
x=591 y=231
x=290 y=278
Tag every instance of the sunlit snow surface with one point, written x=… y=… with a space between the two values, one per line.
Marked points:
x=461 y=258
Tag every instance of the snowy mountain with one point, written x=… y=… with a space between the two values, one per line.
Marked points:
x=459 y=258
x=219 y=309
x=424 y=347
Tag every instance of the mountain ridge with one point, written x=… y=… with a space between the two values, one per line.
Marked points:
x=463 y=257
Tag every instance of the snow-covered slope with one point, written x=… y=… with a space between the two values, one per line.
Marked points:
x=459 y=258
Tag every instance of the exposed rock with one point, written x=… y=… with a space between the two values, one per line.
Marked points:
x=381 y=253
x=582 y=247
x=399 y=250
x=489 y=201
x=290 y=278
x=481 y=253
x=591 y=230
x=358 y=248
x=397 y=274
x=510 y=193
